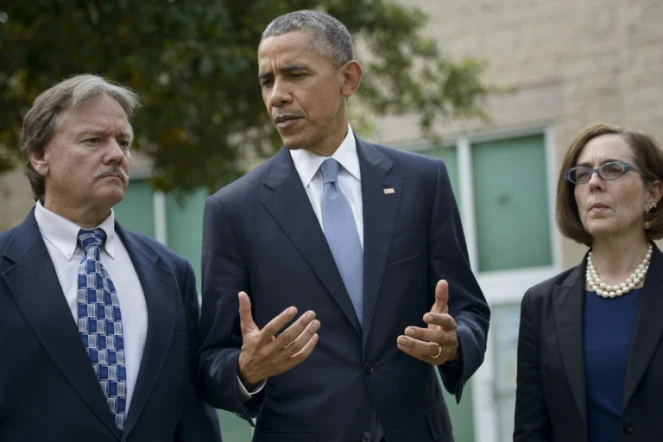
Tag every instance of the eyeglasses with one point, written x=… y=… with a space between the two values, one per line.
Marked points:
x=607 y=171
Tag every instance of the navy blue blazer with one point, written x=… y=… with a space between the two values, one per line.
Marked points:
x=551 y=401
x=261 y=235
x=48 y=390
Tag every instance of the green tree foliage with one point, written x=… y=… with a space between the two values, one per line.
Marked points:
x=193 y=62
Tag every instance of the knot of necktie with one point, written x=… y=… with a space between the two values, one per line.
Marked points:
x=329 y=169
x=91 y=238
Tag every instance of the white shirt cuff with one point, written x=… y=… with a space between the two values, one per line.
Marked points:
x=246 y=395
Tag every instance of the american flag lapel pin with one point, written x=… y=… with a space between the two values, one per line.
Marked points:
x=389 y=191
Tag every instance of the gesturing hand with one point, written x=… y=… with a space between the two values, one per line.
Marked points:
x=263 y=353
x=438 y=343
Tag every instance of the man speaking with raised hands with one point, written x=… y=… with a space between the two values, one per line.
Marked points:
x=336 y=278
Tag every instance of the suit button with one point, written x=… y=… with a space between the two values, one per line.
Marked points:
x=368 y=368
x=366 y=437
x=628 y=427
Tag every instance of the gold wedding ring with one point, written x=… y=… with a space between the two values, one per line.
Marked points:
x=439 y=352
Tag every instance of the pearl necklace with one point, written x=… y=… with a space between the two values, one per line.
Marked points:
x=611 y=291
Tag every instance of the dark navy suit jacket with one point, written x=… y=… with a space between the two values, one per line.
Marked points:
x=261 y=235
x=48 y=390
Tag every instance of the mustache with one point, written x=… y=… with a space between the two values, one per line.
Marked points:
x=113 y=170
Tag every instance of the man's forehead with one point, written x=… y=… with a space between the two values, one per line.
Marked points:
x=110 y=128
x=103 y=105
x=80 y=122
x=291 y=44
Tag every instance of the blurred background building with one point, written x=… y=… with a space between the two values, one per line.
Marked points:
x=563 y=65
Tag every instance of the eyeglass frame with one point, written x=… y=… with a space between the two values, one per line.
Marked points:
x=627 y=168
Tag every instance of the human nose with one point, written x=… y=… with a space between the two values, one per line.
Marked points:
x=116 y=151
x=280 y=93
x=595 y=179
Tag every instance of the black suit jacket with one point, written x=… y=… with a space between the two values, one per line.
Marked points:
x=48 y=390
x=261 y=235
x=551 y=398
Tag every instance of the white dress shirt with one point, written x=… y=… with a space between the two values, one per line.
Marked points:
x=308 y=165
x=61 y=238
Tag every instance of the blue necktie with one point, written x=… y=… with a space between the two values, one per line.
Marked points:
x=100 y=324
x=342 y=236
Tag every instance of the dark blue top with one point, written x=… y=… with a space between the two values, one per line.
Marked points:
x=608 y=328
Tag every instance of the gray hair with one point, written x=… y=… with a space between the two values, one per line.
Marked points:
x=332 y=37
x=43 y=118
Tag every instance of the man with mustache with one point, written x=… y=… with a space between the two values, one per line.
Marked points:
x=98 y=325
x=336 y=280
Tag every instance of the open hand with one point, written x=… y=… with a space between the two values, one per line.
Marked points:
x=263 y=353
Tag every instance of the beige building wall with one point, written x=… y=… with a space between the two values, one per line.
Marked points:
x=571 y=63
x=15 y=199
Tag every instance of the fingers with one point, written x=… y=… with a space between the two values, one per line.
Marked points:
x=415 y=335
x=427 y=335
x=441 y=297
x=291 y=333
x=245 y=318
x=277 y=323
x=304 y=353
x=435 y=347
x=264 y=354
x=442 y=320
x=418 y=349
x=435 y=344
x=305 y=343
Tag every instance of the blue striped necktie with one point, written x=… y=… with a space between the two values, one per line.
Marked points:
x=342 y=236
x=100 y=324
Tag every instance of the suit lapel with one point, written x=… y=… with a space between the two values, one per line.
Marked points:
x=160 y=290
x=568 y=306
x=380 y=210
x=648 y=328
x=290 y=207
x=35 y=286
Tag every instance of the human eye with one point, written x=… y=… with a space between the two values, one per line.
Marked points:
x=580 y=174
x=612 y=170
x=93 y=141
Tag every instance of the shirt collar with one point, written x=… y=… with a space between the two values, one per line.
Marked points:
x=63 y=234
x=308 y=163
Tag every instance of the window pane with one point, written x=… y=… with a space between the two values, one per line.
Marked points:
x=461 y=415
x=505 y=323
x=233 y=428
x=184 y=225
x=136 y=211
x=511 y=203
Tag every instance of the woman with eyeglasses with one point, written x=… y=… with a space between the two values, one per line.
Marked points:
x=590 y=349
